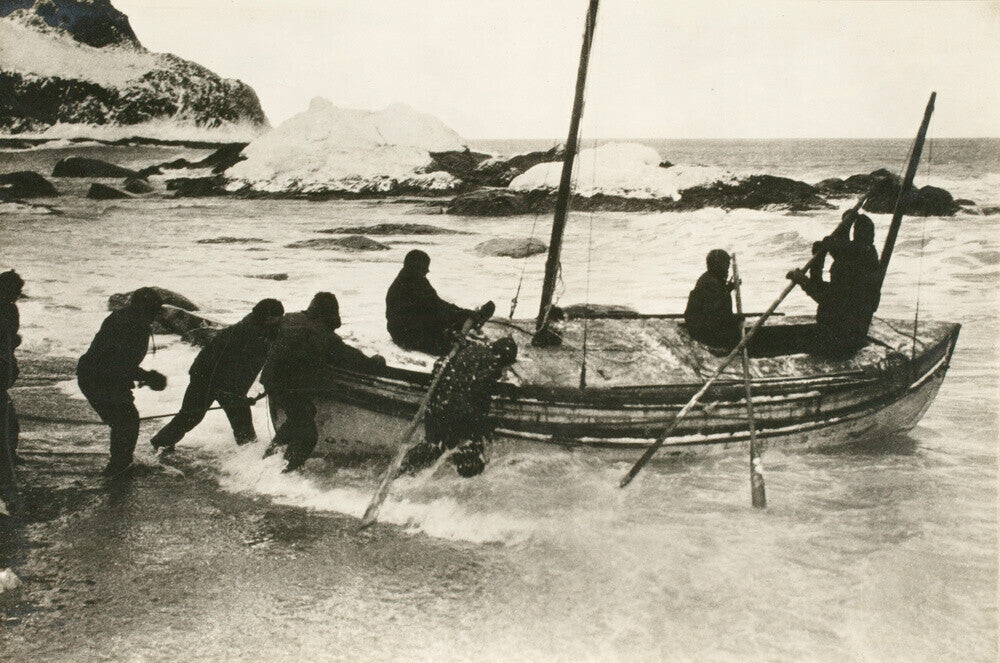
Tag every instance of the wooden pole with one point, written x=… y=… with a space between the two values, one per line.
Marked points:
x=391 y=472
x=911 y=171
x=845 y=222
x=565 y=182
x=757 y=495
x=653 y=448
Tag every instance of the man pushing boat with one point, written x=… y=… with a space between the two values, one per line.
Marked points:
x=306 y=347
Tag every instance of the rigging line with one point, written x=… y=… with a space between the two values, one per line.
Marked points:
x=920 y=263
x=534 y=223
x=590 y=253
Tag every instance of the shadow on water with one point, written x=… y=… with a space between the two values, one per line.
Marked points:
x=875 y=446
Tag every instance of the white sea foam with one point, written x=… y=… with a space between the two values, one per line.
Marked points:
x=328 y=148
x=622 y=169
x=8 y=579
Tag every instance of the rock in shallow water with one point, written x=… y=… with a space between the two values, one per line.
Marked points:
x=138 y=185
x=231 y=240
x=170 y=298
x=511 y=247
x=103 y=192
x=85 y=167
x=392 y=229
x=350 y=243
x=25 y=184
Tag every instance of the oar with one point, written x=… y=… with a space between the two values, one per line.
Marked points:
x=757 y=496
x=653 y=448
x=391 y=472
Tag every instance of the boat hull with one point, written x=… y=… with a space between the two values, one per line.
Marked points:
x=366 y=415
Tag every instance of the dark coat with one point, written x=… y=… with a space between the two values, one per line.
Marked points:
x=233 y=358
x=117 y=350
x=416 y=317
x=709 y=316
x=303 y=352
x=846 y=303
x=10 y=324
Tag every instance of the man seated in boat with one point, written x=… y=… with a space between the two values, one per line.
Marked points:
x=306 y=347
x=709 y=316
x=416 y=317
x=458 y=413
x=846 y=303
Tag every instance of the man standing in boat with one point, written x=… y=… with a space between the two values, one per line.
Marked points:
x=846 y=303
x=223 y=372
x=416 y=317
x=458 y=414
x=306 y=347
x=709 y=316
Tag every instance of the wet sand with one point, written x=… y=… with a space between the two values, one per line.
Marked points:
x=165 y=566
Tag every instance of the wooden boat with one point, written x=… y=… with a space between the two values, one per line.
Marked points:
x=644 y=372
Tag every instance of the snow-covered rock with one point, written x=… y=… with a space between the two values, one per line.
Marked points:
x=76 y=68
x=328 y=149
x=627 y=170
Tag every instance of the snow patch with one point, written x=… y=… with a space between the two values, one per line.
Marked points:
x=622 y=169
x=328 y=148
x=178 y=128
x=52 y=53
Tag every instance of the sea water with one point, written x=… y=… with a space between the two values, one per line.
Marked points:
x=882 y=550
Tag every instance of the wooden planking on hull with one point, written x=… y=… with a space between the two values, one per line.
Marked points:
x=361 y=409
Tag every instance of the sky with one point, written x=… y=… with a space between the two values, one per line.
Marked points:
x=659 y=68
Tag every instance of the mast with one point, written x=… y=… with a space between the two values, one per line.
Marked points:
x=562 y=199
x=897 y=211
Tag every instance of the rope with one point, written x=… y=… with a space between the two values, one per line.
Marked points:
x=590 y=251
x=920 y=268
x=524 y=260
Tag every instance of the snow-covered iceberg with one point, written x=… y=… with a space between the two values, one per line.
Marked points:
x=627 y=170
x=328 y=149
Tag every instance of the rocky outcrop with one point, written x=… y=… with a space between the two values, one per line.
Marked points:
x=882 y=188
x=231 y=240
x=501 y=202
x=171 y=298
x=197 y=187
x=104 y=192
x=755 y=192
x=91 y=22
x=175 y=317
x=138 y=186
x=392 y=229
x=479 y=169
x=92 y=70
x=219 y=161
x=511 y=247
x=25 y=184
x=84 y=167
x=350 y=243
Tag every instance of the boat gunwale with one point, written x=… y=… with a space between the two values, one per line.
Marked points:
x=643 y=396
